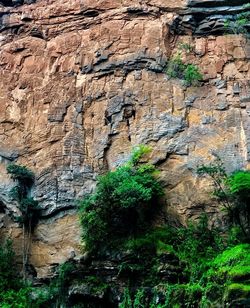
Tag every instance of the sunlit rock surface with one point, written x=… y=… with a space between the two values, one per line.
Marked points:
x=82 y=82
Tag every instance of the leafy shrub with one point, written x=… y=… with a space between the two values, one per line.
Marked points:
x=27 y=205
x=239 y=184
x=233 y=191
x=13 y=292
x=57 y=293
x=126 y=301
x=20 y=173
x=192 y=74
x=16 y=299
x=238 y=24
x=233 y=260
x=122 y=204
x=176 y=67
x=8 y=277
x=189 y=72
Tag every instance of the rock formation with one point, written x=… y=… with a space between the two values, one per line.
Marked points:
x=83 y=81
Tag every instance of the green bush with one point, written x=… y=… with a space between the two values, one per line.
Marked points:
x=57 y=293
x=126 y=301
x=233 y=192
x=8 y=277
x=238 y=24
x=14 y=293
x=28 y=206
x=16 y=299
x=20 y=173
x=122 y=204
x=189 y=72
x=234 y=261
x=239 y=184
x=192 y=74
x=176 y=67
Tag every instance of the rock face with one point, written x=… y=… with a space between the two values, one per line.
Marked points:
x=82 y=82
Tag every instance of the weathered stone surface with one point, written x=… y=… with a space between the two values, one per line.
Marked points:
x=82 y=82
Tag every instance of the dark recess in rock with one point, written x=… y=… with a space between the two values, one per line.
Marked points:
x=91 y=13
x=208 y=17
x=9 y=3
x=213 y=3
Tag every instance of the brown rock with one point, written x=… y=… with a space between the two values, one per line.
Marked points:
x=82 y=82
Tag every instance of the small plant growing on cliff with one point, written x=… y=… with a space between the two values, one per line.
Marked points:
x=233 y=191
x=189 y=72
x=192 y=74
x=122 y=204
x=27 y=205
x=238 y=25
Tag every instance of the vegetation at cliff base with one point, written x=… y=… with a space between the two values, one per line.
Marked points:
x=13 y=292
x=134 y=257
x=233 y=193
x=123 y=203
x=211 y=266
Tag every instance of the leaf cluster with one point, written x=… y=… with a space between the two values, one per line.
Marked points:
x=233 y=191
x=8 y=277
x=122 y=204
x=238 y=24
x=29 y=208
x=20 y=173
x=189 y=72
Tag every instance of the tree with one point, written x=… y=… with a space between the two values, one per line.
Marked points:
x=28 y=207
x=123 y=203
x=232 y=191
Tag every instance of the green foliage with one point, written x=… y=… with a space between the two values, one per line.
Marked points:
x=16 y=299
x=239 y=184
x=139 y=301
x=138 y=153
x=176 y=67
x=236 y=290
x=189 y=72
x=58 y=287
x=28 y=206
x=238 y=24
x=235 y=262
x=30 y=212
x=192 y=74
x=20 y=173
x=122 y=204
x=194 y=241
x=196 y=246
x=13 y=292
x=214 y=285
x=127 y=301
x=216 y=171
x=8 y=277
x=233 y=192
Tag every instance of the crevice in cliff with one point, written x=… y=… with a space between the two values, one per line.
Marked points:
x=213 y=3
x=10 y=3
x=137 y=62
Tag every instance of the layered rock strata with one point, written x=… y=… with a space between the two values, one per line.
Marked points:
x=82 y=82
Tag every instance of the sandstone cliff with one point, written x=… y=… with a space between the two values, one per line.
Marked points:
x=82 y=82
